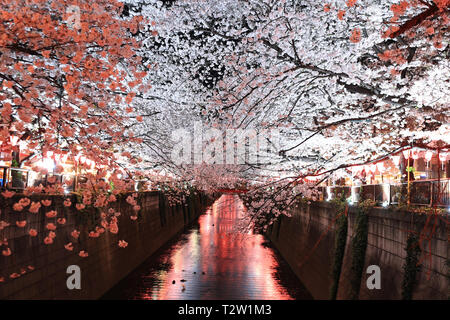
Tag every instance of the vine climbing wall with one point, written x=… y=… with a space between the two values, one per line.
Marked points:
x=307 y=242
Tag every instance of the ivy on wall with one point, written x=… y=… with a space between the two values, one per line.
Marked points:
x=359 y=246
x=339 y=245
x=411 y=267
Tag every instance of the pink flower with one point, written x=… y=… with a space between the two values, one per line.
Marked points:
x=104 y=224
x=83 y=254
x=8 y=194
x=14 y=275
x=21 y=224
x=50 y=226
x=136 y=208
x=67 y=203
x=24 y=202
x=46 y=203
x=93 y=234
x=17 y=206
x=51 y=214
x=75 y=234
x=61 y=220
x=69 y=246
x=52 y=235
x=113 y=228
x=35 y=206
x=48 y=240
x=31 y=268
x=123 y=243
x=80 y=206
x=99 y=230
x=133 y=217
x=6 y=252
x=32 y=232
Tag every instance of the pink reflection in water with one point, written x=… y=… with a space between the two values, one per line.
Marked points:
x=216 y=262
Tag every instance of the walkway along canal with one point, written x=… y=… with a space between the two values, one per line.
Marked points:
x=212 y=260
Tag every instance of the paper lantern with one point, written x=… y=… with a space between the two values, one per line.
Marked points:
x=428 y=156
x=442 y=157
x=415 y=154
x=396 y=160
x=406 y=154
x=380 y=166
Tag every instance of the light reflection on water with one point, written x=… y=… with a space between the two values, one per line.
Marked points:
x=216 y=261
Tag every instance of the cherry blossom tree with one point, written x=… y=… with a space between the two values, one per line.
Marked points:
x=65 y=67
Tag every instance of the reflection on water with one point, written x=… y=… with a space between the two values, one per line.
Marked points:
x=213 y=261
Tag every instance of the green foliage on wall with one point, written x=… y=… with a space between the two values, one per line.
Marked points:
x=359 y=246
x=411 y=267
x=339 y=248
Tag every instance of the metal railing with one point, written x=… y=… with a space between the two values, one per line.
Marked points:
x=422 y=192
x=13 y=178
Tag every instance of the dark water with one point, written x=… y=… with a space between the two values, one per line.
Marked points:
x=216 y=262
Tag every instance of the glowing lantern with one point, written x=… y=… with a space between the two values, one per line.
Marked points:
x=415 y=154
x=428 y=156
x=406 y=154
x=396 y=160
x=442 y=158
x=373 y=167
x=380 y=166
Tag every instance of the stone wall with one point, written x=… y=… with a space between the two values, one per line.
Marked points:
x=306 y=241
x=106 y=264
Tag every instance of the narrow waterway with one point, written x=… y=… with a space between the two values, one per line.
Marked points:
x=213 y=260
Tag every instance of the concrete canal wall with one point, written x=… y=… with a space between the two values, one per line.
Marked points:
x=297 y=239
x=106 y=264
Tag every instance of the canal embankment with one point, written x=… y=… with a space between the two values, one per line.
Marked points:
x=327 y=253
x=41 y=268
